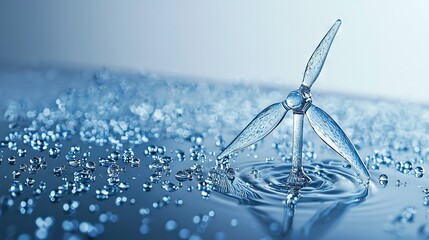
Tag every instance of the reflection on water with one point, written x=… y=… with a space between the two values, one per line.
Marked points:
x=262 y=186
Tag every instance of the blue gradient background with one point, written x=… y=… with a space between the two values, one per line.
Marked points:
x=381 y=48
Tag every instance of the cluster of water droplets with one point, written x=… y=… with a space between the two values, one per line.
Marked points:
x=119 y=113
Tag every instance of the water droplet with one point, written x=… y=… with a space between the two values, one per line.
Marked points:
x=75 y=149
x=180 y=155
x=147 y=186
x=398 y=183
x=23 y=167
x=113 y=170
x=408 y=166
x=27 y=206
x=93 y=208
x=106 y=162
x=255 y=173
x=169 y=187
x=74 y=163
x=197 y=138
x=102 y=194
x=399 y=166
x=144 y=229
x=22 y=152
x=152 y=149
x=155 y=178
x=234 y=222
x=211 y=213
x=70 y=207
x=11 y=160
x=166 y=159
x=16 y=174
x=120 y=200
x=292 y=198
x=170 y=225
x=29 y=182
x=178 y=202
x=90 y=166
x=419 y=172
x=144 y=211
x=184 y=233
x=128 y=155
x=383 y=179
x=184 y=175
x=196 y=219
x=54 y=152
x=135 y=162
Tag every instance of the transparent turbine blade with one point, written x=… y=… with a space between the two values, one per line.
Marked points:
x=329 y=131
x=315 y=64
x=257 y=129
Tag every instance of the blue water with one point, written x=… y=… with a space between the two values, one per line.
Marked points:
x=138 y=121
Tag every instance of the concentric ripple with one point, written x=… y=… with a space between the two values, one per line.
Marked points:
x=264 y=183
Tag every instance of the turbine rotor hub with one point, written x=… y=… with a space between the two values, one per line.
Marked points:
x=297 y=100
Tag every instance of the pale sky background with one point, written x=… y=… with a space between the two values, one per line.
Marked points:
x=381 y=49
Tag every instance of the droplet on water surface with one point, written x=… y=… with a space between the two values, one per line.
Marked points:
x=383 y=179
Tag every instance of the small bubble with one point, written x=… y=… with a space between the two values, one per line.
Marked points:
x=234 y=222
